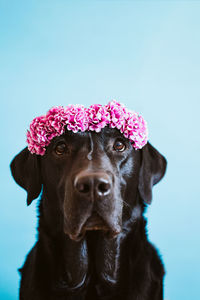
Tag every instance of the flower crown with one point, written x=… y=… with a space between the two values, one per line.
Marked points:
x=78 y=118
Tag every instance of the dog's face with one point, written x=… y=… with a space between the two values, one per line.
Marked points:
x=90 y=172
x=90 y=179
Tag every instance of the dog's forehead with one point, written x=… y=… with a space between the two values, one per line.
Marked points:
x=103 y=135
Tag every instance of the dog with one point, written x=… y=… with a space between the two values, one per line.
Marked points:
x=92 y=241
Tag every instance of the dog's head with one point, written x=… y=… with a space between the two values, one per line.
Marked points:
x=91 y=181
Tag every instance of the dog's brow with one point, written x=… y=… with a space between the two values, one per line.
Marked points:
x=89 y=156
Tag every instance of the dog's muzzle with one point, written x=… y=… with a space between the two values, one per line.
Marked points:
x=93 y=196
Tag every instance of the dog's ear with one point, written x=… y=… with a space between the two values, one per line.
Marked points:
x=25 y=169
x=152 y=170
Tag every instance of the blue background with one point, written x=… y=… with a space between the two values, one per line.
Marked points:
x=145 y=54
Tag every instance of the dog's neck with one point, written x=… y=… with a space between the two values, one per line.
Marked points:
x=74 y=262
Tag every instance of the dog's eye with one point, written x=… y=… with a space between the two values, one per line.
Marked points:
x=119 y=146
x=61 y=148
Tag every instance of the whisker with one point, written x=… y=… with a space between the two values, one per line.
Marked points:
x=127 y=205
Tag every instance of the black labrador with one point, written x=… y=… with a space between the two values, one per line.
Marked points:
x=92 y=241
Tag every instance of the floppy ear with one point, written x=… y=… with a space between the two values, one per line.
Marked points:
x=26 y=172
x=152 y=170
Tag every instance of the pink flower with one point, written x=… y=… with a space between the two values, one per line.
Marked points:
x=98 y=117
x=37 y=135
x=135 y=129
x=118 y=114
x=78 y=118
x=55 y=120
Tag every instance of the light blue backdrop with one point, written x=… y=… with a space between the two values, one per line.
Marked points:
x=145 y=54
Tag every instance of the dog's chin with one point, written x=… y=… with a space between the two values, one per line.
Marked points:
x=94 y=223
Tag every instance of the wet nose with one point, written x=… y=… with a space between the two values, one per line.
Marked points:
x=96 y=184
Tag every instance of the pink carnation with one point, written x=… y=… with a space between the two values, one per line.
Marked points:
x=37 y=136
x=135 y=129
x=78 y=118
x=55 y=120
x=118 y=114
x=98 y=117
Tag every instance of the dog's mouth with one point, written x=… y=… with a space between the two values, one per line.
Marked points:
x=93 y=223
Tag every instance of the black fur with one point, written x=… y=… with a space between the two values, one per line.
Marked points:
x=99 y=265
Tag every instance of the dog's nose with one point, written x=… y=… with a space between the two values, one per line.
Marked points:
x=97 y=184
